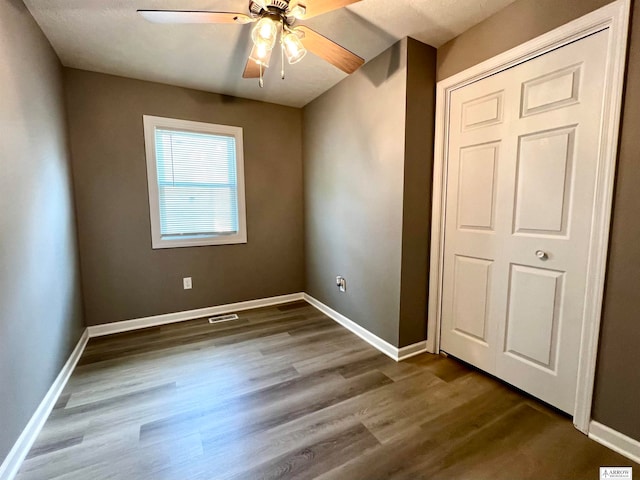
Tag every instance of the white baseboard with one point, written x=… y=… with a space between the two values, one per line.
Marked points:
x=412 y=350
x=615 y=440
x=392 y=351
x=12 y=463
x=385 y=347
x=156 y=320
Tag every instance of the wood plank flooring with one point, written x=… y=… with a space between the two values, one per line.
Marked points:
x=284 y=392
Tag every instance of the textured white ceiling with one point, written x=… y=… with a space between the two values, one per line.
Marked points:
x=110 y=37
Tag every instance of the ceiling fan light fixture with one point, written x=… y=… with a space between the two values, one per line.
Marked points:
x=293 y=48
x=261 y=55
x=261 y=51
x=265 y=33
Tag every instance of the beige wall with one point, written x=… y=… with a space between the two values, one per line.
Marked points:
x=517 y=23
x=40 y=297
x=416 y=206
x=353 y=174
x=617 y=393
x=123 y=277
x=364 y=202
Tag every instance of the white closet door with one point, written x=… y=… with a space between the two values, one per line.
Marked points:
x=522 y=157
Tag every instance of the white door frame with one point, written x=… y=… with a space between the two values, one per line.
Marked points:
x=614 y=17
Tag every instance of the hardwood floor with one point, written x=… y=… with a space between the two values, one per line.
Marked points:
x=284 y=392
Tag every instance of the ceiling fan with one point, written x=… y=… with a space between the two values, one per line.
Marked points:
x=274 y=20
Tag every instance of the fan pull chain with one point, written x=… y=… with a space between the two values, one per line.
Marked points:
x=261 y=81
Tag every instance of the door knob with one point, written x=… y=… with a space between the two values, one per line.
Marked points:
x=542 y=255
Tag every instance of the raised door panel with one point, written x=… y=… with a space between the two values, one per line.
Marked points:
x=483 y=111
x=551 y=91
x=471 y=285
x=476 y=187
x=543 y=183
x=533 y=315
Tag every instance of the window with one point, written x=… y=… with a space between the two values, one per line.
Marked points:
x=196 y=183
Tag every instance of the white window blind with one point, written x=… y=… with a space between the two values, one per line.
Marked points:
x=195 y=183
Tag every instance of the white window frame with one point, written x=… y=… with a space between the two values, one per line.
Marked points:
x=152 y=123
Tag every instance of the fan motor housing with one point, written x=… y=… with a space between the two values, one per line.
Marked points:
x=280 y=5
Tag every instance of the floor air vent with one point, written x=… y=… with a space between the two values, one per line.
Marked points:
x=223 y=318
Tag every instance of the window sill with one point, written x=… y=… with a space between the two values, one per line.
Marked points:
x=158 y=243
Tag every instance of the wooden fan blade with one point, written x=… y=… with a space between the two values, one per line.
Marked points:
x=194 y=16
x=318 y=7
x=251 y=69
x=330 y=51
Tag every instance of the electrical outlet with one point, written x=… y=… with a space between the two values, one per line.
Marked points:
x=341 y=283
x=186 y=283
